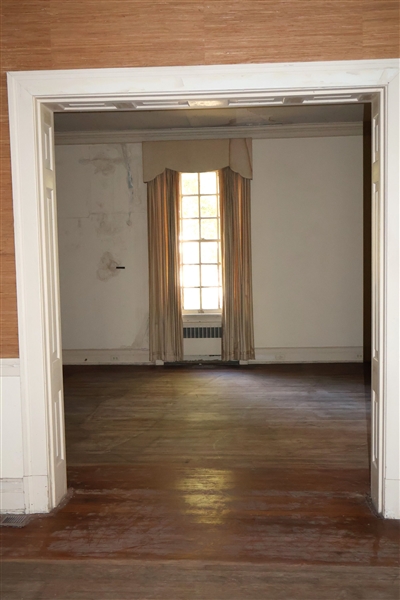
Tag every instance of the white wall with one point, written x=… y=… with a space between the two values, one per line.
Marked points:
x=307 y=202
x=102 y=223
x=307 y=220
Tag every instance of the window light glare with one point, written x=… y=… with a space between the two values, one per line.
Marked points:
x=200 y=242
x=207 y=103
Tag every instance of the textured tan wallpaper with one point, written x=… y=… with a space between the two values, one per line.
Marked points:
x=74 y=34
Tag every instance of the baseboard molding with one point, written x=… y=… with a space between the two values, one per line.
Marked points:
x=12 y=497
x=127 y=356
x=392 y=498
x=119 y=356
x=308 y=355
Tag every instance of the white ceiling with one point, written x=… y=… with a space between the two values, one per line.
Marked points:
x=220 y=117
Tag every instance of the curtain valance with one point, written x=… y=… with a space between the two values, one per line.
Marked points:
x=197 y=156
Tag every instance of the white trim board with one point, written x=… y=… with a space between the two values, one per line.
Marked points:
x=165 y=88
x=308 y=355
x=9 y=367
x=297 y=130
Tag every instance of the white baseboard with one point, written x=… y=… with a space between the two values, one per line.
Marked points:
x=12 y=498
x=119 y=356
x=392 y=498
x=308 y=355
x=36 y=488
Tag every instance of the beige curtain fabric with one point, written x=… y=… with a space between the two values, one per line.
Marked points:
x=237 y=306
x=165 y=321
x=197 y=156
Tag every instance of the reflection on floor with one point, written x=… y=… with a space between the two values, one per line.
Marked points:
x=205 y=474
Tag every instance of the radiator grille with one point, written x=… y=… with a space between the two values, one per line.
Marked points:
x=202 y=332
x=14 y=520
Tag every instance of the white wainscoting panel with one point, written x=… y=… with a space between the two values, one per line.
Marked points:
x=12 y=498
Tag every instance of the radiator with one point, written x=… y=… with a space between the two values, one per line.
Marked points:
x=202 y=332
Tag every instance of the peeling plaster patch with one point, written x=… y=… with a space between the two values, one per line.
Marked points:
x=102 y=163
x=107 y=267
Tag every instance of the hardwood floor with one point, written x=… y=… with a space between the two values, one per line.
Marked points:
x=211 y=482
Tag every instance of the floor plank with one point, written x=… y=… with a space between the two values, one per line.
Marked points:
x=184 y=580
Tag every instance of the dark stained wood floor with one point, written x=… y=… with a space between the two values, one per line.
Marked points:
x=186 y=480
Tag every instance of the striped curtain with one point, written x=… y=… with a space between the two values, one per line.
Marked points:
x=165 y=301
x=237 y=304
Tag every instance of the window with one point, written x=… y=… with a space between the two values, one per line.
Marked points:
x=200 y=242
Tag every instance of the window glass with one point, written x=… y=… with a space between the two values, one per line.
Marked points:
x=200 y=244
x=209 y=252
x=209 y=229
x=209 y=297
x=191 y=298
x=190 y=207
x=190 y=229
x=190 y=253
x=209 y=275
x=208 y=182
x=208 y=206
x=190 y=184
x=191 y=276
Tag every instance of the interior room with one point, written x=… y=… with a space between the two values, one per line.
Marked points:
x=306 y=231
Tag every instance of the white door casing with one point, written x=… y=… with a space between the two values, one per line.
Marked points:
x=377 y=245
x=51 y=296
x=167 y=87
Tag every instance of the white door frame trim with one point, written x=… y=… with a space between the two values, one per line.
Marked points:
x=170 y=87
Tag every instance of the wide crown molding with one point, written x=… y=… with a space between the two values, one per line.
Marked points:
x=298 y=130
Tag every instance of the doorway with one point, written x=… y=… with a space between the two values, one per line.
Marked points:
x=48 y=395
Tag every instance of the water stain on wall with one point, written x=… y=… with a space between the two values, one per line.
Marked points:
x=107 y=267
x=102 y=163
x=108 y=224
x=127 y=163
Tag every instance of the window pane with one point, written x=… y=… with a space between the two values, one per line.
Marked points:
x=209 y=229
x=208 y=183
x=190 y=184
x=209 y=298
x=209 y=252
x=190 y=253
x=190 y=207
x=209 y=275
x=190 y=229
x=208 y=206
x=191 y=298
x=191 y=276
